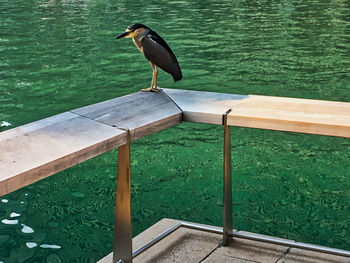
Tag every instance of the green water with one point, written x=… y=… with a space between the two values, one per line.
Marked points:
x=60 y=55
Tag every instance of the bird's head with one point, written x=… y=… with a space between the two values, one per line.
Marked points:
x=134 y=30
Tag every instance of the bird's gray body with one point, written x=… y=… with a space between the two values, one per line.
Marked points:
x=155 y=50
x=158 y=55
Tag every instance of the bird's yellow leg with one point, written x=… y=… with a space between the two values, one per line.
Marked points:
x=155 y=87
x=152 y=84
x=154 y=80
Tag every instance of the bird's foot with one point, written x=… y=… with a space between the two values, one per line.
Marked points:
x=151 y=89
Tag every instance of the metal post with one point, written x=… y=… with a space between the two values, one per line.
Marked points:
x=122 y=247
x=227 y=211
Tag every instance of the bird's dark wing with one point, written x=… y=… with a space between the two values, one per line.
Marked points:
x=159 y=53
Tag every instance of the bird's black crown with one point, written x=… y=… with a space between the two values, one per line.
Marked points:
x=136 y=26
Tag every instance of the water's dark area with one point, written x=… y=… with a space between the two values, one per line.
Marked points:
x=59 y=55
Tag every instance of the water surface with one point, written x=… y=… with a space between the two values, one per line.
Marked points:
x=60 y=55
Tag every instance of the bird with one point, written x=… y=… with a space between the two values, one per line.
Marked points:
x=155 y=50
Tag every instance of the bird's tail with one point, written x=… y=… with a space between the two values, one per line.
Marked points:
x=177 y=75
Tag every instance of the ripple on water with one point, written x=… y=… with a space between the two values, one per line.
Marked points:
x=13 y=214
x=31 y=244
x=27 y=229
x=4 y=238
x=5 y=124
x=50 y=246
x=78 y=194
x=9 y=221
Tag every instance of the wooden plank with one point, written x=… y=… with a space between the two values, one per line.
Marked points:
x=296 y=115
x=142 y=113
x=204 y=107
x=39 y=149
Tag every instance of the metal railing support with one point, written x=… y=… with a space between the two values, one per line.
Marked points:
x=227 y=191
x=244 y=235
x=122 y=247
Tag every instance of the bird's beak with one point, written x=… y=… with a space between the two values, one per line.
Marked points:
x=122 y=35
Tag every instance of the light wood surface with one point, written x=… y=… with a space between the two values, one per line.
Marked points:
x=142 y=113
x=204 y=107
x=265 y=112
x=36 y=150
x=39 y=149
x=296 y=115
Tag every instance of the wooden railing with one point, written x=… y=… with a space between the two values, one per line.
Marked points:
x=37 y=150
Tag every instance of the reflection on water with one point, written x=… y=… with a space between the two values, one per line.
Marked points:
x=60 y=55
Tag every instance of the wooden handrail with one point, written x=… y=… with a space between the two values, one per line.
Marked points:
x=320 y=117
x=39 y=149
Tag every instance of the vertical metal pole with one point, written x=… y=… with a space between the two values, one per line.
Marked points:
x=122 y=247
x=227 y=211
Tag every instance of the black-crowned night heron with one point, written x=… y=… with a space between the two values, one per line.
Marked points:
x=155 y=50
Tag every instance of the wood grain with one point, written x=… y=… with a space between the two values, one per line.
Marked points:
x=204 y=107
x=142 y=113
x=39 y=149
x=295 y=115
